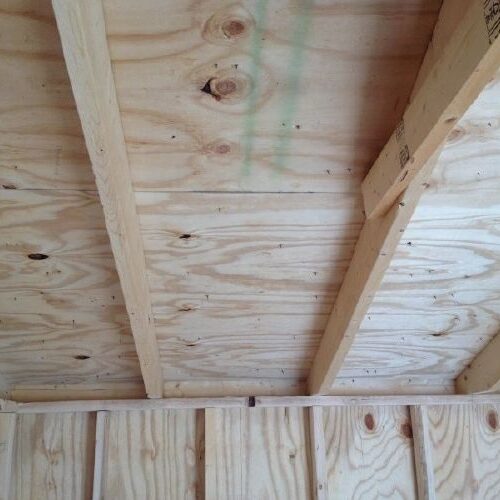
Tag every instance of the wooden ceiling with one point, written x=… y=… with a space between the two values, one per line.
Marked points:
x=249 y=128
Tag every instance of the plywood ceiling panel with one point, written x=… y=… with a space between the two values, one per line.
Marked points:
x=241 y=120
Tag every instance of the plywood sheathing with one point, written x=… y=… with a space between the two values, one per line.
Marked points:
x=249 y=128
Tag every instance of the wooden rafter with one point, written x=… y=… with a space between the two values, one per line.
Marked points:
x=483 y=374
x=82 y=31
x=465 y=63
x=463 y=56
x=372 y=255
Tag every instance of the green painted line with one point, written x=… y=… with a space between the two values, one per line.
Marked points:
x=250 y=115
x=289 y=108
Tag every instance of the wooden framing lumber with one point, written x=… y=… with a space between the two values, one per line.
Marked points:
x=238 y=402
x=7 y=433
x=82 y=31
x=372 y=255
x=424 y=469
x=459 y=70
x=100 y=429
x=318 y=453
x=483 y=374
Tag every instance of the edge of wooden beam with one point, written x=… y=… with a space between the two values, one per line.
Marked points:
x=483 y=373
x=99 y=450
x=424 y=469
x=244 y=402
x=82 y=31
x=466 y=62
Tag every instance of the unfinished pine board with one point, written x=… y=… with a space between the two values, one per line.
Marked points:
x=242 y=283
x=41 y=142
x=62 y=317
x=483 y=373
x=438 y=304
x=7 y=434
x=256 y=453
x=369 y=453
x=54 y=457
x=424 y=467
x=466 y=451
x=150 y=455
x=300 y=96
x=82 y=30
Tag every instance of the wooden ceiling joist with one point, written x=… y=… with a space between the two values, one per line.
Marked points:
x=462 y=57
x=467 y=60
x=483 y=374
x=82 y=32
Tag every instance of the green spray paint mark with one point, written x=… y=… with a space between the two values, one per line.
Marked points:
x=256 y=50
x=302 y=22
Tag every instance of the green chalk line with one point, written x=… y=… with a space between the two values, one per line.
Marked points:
x=250 y=118
x=289 y=108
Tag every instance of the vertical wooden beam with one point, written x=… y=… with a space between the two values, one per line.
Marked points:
x=483 y=374
x=7 y=434
x=318 y=453
x=82 y=30
x=424 y=469
x=100 y=437
x=466 y=62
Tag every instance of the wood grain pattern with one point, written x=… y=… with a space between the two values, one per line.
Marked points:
x=7 y=435
x=256 y=453
x=150 y=455
x=53 y=457
x=41 y=142
x=424 y=467
x=437 y=307
x=299 y=113
x=318 y=453
x=483 y=374
x=83 y=36
x=466 y=451
x=369 y=453
x=62 y=318
x=264 y=267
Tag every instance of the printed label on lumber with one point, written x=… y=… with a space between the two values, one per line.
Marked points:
x=404 y=151
x=492 y=17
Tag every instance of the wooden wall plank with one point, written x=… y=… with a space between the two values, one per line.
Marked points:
x=468 y=61
x=466 y=451
x=99 y=449
x=150 y=455
x=53 y=457
x=424 y=467
x=318 y=453
x=82 y=31
x=256 y=453
x=7 y=434
x=483 y=374
x=369 y=453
